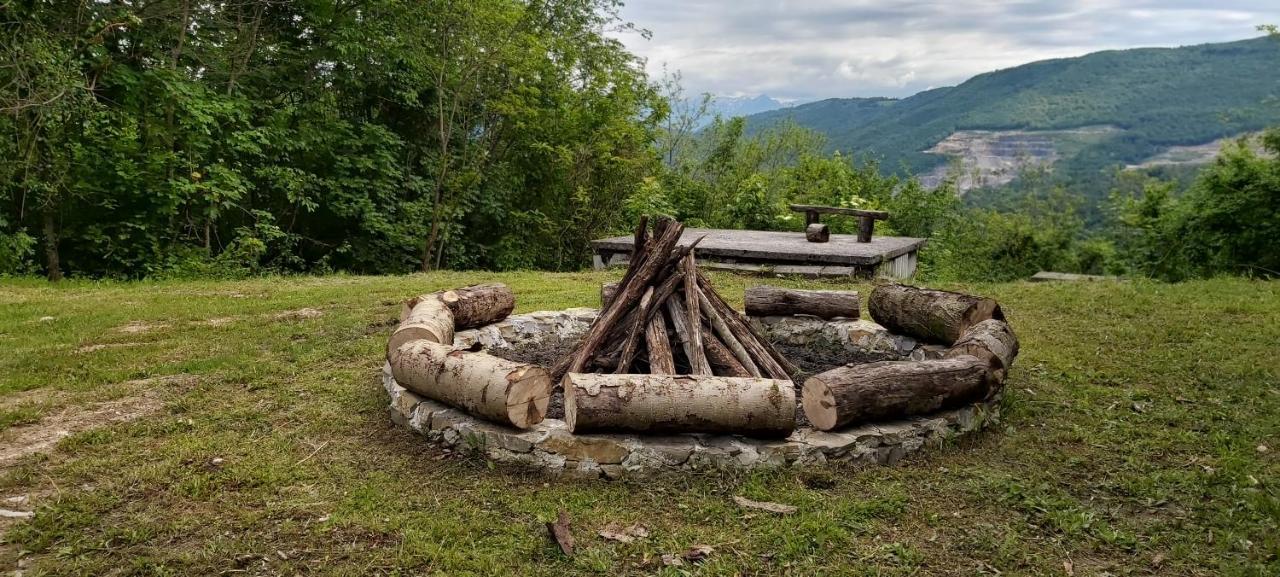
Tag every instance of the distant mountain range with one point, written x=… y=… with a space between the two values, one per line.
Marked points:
x=1082 y=116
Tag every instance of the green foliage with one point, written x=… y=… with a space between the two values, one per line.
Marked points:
x=1227 y=223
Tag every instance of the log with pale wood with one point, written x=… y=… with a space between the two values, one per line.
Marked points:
x=503 y=391
x=992 y=341
x=887 y=390
x=764 y=301
x=427 y=318
x=679 y=403
x=479 y=305
x=929 y=315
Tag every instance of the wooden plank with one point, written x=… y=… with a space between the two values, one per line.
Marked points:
x=807 y=208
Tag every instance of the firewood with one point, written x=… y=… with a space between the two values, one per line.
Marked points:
x=502 y=391
x=428 y=318
x=680 y=322
x=887 y=390
x=992 y=341
x=727 y=338
x=929 y=315
x=661 y=361
x=757 y=348
x=693 y=332
x=479 y=305
x=685 y=403
x=722 y=361
x=635 y=333
x=607 y=291
x=763 y=301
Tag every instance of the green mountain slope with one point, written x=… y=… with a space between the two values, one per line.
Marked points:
x=1158 y=97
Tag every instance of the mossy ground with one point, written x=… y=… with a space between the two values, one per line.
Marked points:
x=1139 y=438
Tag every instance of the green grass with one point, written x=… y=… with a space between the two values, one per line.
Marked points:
x=1130 y=446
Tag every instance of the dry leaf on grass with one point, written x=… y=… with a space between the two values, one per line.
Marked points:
x=559 y=531
x=778 y=508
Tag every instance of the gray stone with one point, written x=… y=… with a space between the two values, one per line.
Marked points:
x=603 y=449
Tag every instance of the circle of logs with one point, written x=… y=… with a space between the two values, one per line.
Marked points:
x=736 y=382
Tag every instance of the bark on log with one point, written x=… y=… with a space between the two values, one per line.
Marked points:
x=478 y=305
x=929 y=315
x=854 y=394
x=607 y=291
x=763 y=301
x=721 y=328
x=770 y=361
x=635 y=333
x=698 y=364
x=661 y=361
x=502 y=391
x=817 y=232
x=685 y=403
x=992 y=341
x=428 y=319
x=680 y=321
x=721 y=359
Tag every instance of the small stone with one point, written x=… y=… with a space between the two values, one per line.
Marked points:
x=10 y=514
x=1262 y=448
x=602 y=449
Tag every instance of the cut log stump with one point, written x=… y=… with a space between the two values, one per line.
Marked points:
x=887 y=390
x=505 y=392
x=992 y=341
x=478 y=305
x=427 y=318
x=817 y=232
x=764 y=301
x=929 y=315
x=684 y=403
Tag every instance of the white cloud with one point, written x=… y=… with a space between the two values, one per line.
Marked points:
x=830 y=48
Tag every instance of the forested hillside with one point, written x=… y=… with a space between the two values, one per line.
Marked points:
x=1158 y=97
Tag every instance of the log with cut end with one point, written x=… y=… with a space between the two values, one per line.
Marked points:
x=479 y=305
x=428 y=319
x=855 y=394
x=992 y=341
x=817 y=232
x=502 y=391
x=929 y=315
x=684 y=403
x=764 y=301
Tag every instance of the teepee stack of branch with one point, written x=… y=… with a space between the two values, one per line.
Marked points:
x=665 y=318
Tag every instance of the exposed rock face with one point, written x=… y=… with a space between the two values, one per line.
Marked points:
x=995 y=157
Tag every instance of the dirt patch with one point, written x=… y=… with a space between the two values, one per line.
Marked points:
x=215 y=322
x=545 y=353
x=296 y=315
x=101 y=346
x=20 y=441
x=815 y=358
x=139 y=327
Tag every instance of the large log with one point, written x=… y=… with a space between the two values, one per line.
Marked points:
x=685 y=403
x=763 y=301
x=929 y=315
x=886 y=390
x=661 y=361
x=478 y=305
x=992 y=341
x=428 y=319
x=502 y=391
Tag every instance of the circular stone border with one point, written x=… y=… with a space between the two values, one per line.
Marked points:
x=550 y=446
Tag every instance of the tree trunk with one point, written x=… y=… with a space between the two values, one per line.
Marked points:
x=502 y=391
x=52 y=260
x=428 y=319
x=992 y=341
x=763 y=301
x=479 y=305
x=661 y=361
x=929 y=315
x=817 y=232
x=886 y=390
x=685 y=403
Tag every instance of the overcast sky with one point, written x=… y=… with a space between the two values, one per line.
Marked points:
x=807 y=49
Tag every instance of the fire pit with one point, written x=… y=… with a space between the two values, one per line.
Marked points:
x=666 y=376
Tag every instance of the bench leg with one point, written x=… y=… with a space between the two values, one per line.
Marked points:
x=865 y=227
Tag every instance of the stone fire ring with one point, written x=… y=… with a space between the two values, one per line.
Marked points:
x=550 y=446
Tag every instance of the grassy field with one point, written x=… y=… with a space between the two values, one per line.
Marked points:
x=238 y=428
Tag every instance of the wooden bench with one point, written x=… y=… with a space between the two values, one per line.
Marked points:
x=866 y=218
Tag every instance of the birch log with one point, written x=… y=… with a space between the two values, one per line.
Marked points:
x=930 y=315
x=478 y=305
x=428 y=319
x=992 y=341
x=886 y=390
x=684 y=403
x=764 y=301
x=502 y=391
